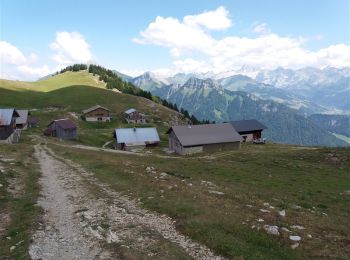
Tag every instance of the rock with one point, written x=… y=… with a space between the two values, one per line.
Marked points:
x=282 y=213
x=190 y=184
x=285 y=229
x=249 y=206
x=266 y=204
x=1 y=185
x=12 y=248
x=297 y=227
x=8 y=238
x=296 y=207
x=216 y=192
x=295 y=238
x=273 y=230
x=260 y=220
x=264 y=210
x=294 y=246
x=309 y=235
x=112 y=237
x=149 y=168
x=163 y=175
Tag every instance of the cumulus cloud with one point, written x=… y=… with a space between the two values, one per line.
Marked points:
x=192 y=37
x=10 y=54
x=70 y=47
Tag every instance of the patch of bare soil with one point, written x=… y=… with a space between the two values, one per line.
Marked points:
x=83 y=215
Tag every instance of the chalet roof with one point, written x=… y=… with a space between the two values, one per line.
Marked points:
x=193 y=135
x=65 y=123
x=137 y=135
x=129 y=111
x=247 y=125
x=23 y=116
x=94 y=108
x=6 y=115
x=33 y=120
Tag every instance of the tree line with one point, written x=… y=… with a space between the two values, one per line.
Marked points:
x=113 y=81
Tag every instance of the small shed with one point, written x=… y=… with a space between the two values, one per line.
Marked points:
x=33 y=121
x=96 y=113
x=132 y=116
x=189 y=139
x=250 y=130
x=22 y=120
x=133 y=138
x=8 y=118
x=62 y=128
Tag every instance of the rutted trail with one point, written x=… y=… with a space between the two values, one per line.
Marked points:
x=79 y=223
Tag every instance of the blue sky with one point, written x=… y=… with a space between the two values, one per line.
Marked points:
x=110 y=33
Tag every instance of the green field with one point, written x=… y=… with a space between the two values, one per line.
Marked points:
x=311 y=185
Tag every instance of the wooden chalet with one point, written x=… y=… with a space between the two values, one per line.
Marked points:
x=62 y=128
x=132 y=116
x=22 y=120
x=136 y=138
x=189 y=139
x=8 y=132
x=96 y=113
x=250 y=130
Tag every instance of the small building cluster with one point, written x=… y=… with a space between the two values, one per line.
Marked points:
x=12 y=121
x=183 y=139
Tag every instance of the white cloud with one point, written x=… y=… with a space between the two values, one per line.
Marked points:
x=261 y=29
x=70 y=47
x=34 y=72
x=192 y=37
x=10 y=54
x=212 y=20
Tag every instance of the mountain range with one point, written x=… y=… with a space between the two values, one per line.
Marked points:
x=283 y=99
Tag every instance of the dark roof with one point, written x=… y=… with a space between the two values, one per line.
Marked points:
x=94 y=108
x=64 y=123
x=247 y=125
x=193 y=135
x=6 y=115
x=33 y=120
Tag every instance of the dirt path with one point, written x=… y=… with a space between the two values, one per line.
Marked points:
x=83 y=215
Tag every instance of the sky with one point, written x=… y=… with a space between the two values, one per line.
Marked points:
x=39 y=37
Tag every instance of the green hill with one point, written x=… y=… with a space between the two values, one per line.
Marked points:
x=62 y=94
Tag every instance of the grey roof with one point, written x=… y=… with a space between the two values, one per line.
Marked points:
x=247 y=125
x=129 y=111
x=23 y=116
x=205 y=134
x=94 y=108
x=65 y=123
x=6 y=115
x=137 y=135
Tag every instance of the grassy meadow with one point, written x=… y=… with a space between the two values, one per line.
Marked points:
x=219 y=199
x=19 y=174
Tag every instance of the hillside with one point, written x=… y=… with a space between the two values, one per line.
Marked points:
x=71 y=92
x=207 y=99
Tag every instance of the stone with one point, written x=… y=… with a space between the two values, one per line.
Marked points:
x=12 y=248
x=216 y=192
x=1 y=185
x=285 y=229
x=264 y=210
x=163 y=175
x=266 y=204
x=294 y=246
x=297 y=227
x=282 y=213
x=309 y=235
x=260 y=220
x=273 y=230
x=295 y=238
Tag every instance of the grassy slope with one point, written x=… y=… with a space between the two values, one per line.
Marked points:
x=73 y=92
x=283 y=176
x=21 y=175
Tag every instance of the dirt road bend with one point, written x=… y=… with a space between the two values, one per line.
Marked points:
x=86 y=219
